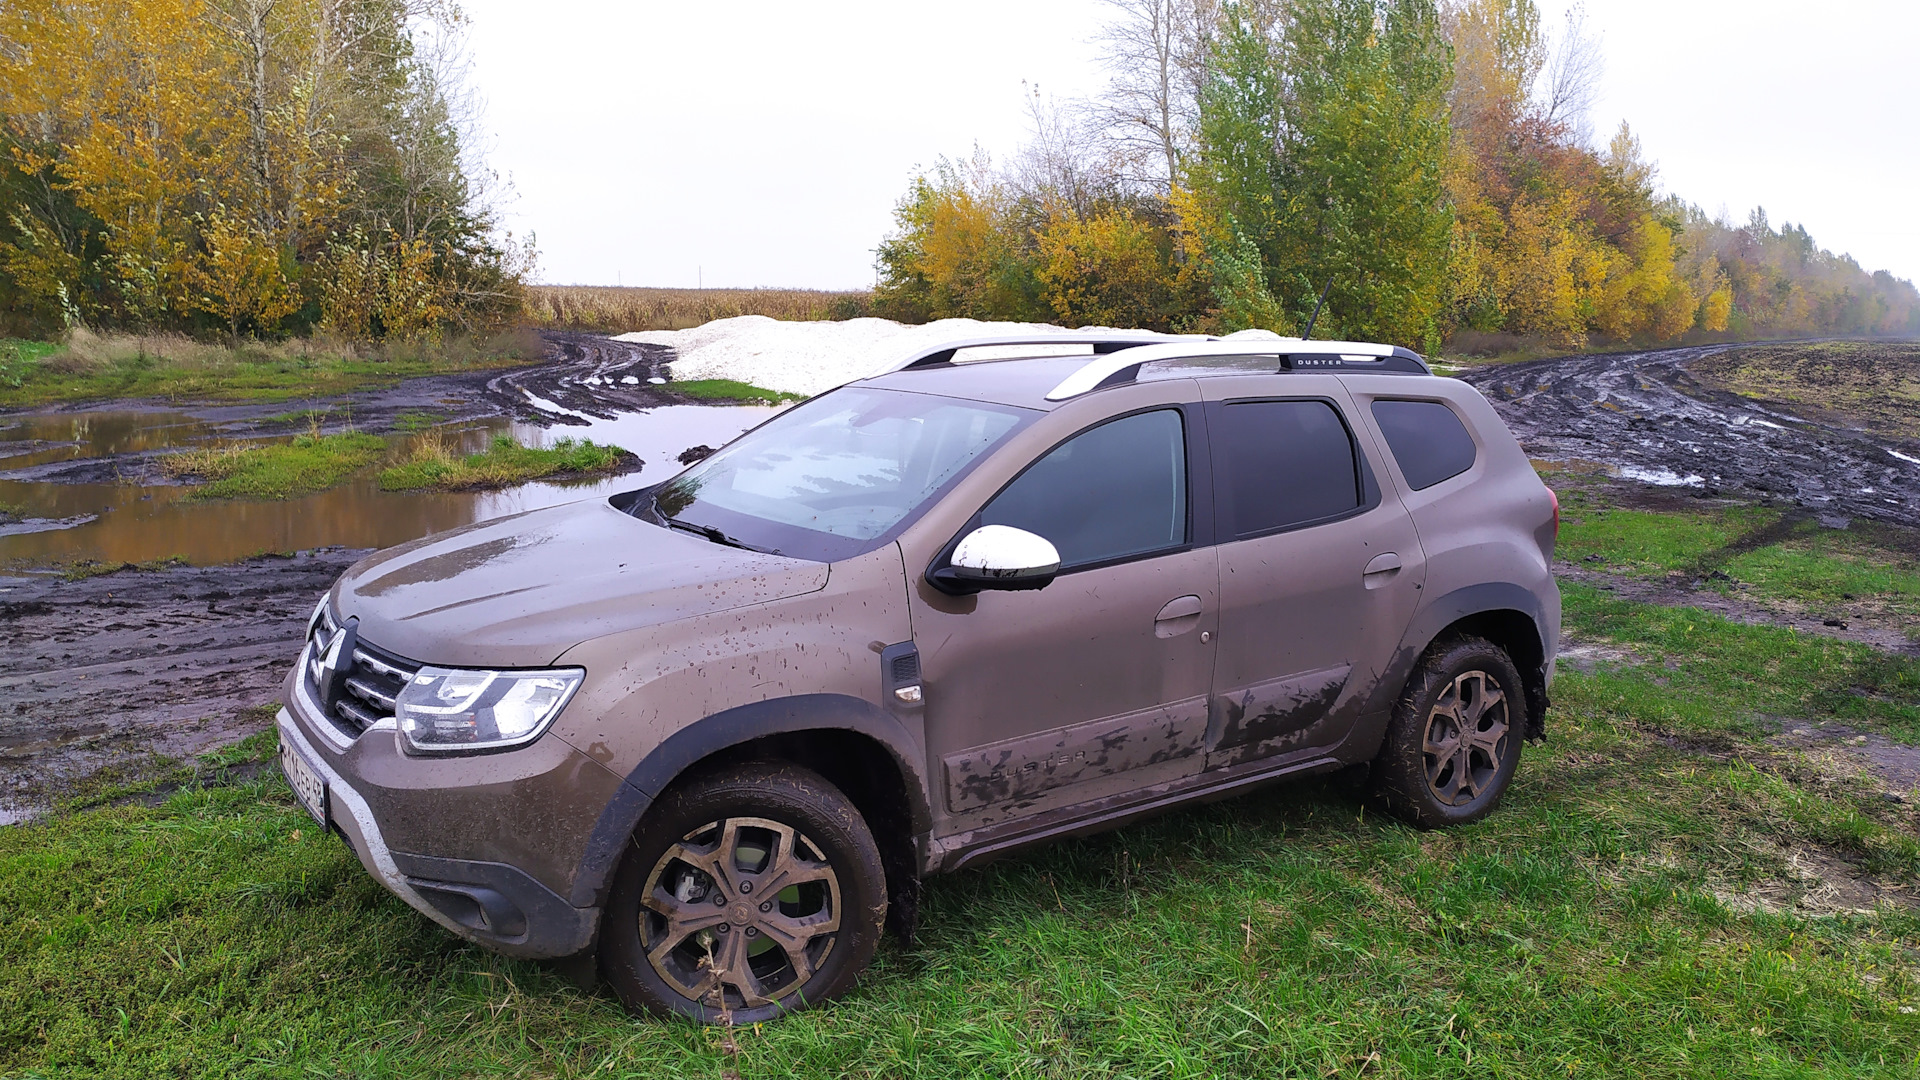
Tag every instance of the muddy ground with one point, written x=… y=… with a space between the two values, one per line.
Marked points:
x=117 y=675
x=582 y=375
x=1649 y=413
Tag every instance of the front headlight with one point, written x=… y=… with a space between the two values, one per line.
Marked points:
x=452 y=711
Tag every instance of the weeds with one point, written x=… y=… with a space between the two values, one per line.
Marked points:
x=90 y=568
x=309 y=463
x=92 y=367
x=608 y=310
x=731 y=390
x=435 y=462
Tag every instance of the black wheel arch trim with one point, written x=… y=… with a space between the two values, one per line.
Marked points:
x=1486 y=598
x=721 y=731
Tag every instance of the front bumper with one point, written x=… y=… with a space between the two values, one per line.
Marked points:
x=472 y=825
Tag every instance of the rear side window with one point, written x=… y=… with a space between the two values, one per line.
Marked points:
x=1111 y=492
x=1427 y=439
x=1284 y=463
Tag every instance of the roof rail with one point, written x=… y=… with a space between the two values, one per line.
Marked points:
x=1289 y=354
x=1104 y=342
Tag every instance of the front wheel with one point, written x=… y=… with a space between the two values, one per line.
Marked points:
x=744 y=895
x=1454 y=741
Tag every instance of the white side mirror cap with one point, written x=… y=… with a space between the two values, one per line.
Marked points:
x=1003 y=556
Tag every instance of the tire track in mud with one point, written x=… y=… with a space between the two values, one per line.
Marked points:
x=584 y=375
x=1646 y=415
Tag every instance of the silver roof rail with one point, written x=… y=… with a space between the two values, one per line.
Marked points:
x=1124 y=366
x=1104 y=342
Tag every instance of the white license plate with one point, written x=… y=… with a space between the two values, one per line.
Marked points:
x=307 y=785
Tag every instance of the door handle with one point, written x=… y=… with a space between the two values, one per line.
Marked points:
x=1384 y=563
x=1181 y=614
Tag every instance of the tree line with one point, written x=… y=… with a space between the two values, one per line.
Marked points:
x=258 y=167
x=1422 y=166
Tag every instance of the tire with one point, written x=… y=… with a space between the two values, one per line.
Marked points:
x=758 y=890
x=1426 y=773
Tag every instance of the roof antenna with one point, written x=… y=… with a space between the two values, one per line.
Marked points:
x=1316 y=308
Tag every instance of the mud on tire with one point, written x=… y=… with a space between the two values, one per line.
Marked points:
x=1454 y=741
x=745 y=894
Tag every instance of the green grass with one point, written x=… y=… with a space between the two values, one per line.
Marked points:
x=89 y=568
x=432 y=463
x=307 y=464
x=94 y=368
x=1786 y=562
x=1630 y=911
x=20 y=361
x=731 y=390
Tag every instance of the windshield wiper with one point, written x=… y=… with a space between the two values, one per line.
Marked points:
x=710 y=533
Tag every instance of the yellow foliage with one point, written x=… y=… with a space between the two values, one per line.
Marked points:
x=1107 y=270
x=1715 y=309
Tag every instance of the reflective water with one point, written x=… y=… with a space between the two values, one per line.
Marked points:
x=114 y=520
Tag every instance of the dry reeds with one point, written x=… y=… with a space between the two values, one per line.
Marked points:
x=610 y=310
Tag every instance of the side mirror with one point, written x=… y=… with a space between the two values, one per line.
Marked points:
x=998 y=557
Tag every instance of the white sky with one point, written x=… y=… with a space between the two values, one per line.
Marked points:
x=760 y=143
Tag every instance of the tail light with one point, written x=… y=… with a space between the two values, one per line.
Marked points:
x=1556 y=512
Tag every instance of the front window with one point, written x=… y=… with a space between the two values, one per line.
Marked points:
x=828 y=478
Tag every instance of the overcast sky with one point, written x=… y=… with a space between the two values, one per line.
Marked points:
x=760 y=143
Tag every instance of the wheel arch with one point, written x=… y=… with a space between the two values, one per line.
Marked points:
x=864 y=751
x=1505 y=614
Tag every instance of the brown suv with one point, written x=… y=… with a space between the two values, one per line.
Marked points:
x=714 y=732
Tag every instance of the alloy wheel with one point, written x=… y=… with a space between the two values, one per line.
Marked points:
x=1466 y=738
x=740 y=913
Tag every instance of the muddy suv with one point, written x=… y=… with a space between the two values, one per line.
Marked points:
x=713 y=733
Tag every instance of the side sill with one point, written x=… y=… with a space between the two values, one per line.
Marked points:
x=966 y=849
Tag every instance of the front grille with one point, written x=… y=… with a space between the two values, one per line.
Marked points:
x=364 y=690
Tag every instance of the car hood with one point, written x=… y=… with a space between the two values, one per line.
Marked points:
x=519 y=591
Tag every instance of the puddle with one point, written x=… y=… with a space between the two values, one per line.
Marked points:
x=1659 y=477
x=127 y=522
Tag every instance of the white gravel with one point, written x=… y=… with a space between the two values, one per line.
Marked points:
x=806 y=357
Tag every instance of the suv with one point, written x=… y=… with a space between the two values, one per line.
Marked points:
x=714 y=732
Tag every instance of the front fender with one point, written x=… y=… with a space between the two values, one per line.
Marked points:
x=721 y=731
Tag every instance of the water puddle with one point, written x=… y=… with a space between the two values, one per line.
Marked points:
x=119 y=521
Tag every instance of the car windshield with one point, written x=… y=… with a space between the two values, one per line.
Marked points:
x=831 y=477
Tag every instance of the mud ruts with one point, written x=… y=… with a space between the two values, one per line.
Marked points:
x=1644 y=412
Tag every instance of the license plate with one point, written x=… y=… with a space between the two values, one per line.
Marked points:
x=307 y=785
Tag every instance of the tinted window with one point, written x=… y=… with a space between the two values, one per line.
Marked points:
x=1284 y=463
x=1119 y=489
x=1427 y=440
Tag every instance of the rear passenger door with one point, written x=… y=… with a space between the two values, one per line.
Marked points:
x=1320 y=570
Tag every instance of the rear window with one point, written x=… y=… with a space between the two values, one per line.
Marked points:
x=1427 y=439
x=1285 y=463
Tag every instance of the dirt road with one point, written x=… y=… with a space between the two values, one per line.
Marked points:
x=1646 y=413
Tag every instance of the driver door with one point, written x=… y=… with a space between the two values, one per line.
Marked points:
x=1096 y=684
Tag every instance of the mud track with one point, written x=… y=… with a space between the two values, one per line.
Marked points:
x=114 y=672
x=1646 y=413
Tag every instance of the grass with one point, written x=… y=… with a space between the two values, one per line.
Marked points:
x=732 y=390
x=19 y=360
x=90 y=568
x=11 y=513
x=1634 y=909
x=610 y=310
x=309 y=463
x=90 y=367
x=1873 y=384
x=1780 y=559
x=433 y=462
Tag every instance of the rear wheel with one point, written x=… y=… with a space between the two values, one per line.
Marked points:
x=1454 y=741
x=744 y=895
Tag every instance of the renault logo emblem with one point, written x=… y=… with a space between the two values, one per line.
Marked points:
x=331 y=660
